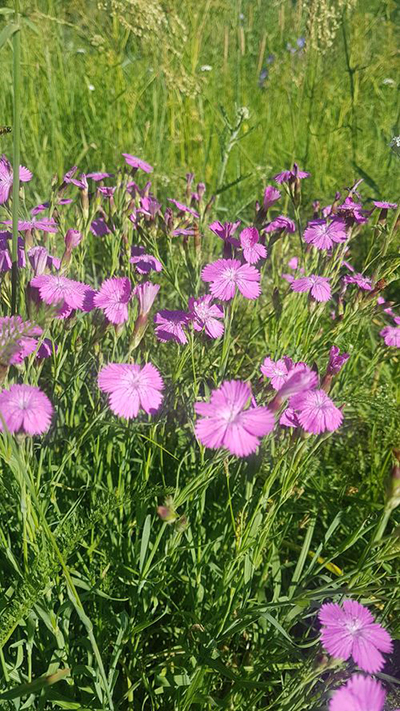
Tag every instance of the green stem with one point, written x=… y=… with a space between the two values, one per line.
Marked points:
x=16 y=156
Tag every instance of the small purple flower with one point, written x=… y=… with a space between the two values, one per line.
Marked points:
x=282 y=224
x=318 y=286
x=289 y=176
x=252 y=250
x=391 y=334
x=385 y=205
x=299 y=379
x=137 y=163
x=41 y=260
x=72 y=239
x=322 y=235
x=353 y=211
x=145 y=294
x=58 y=289
x=184 y=208
x=143 y=262
x=271 y=196
x=205 y=316
x=99 y=176
x=6 y=178
x=293 y=263
x=169 y=325
x=362 y=282
x=336 y=361
x=99 y=227
x=278 y=370
x=351 y=631
x=226 y=231
x=46 y=224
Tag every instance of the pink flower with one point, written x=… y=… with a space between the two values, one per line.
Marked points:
x=130 y=387
x=72 y=239
x=282 y=224
x=46 y=224
x=16 y=340
x=225 y=422
x=322 y=235
x=41 y=260
x=316 y=411
x=45 y=349
x=99 y=176
x=99 y=227
x=170 y=326
x=391 y=334
x=227 y=274
x=226 y=231
x=385 y=205
x=271 y=196
x=300 y=378
x=317 y=286
x=143 y=262
x=205 y=316
x=293 y=263
x=362 y=282
x=289 y=418
x=25 y=409
x=361 y=693
x=350 y=631
x=137 y=163
x=278 y=370
x=183 y=208
x=145 y=294
x=252 y=251
x=336 y=361
x=6 y=178
x=58 y=289
x=353 y=211
x=113 y=298
x=289 y=176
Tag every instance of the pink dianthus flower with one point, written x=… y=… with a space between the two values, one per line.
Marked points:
x=317 y=286
x=25 y=409
x=289 y=176
x=361 y=693
x=56 y=289
x=351 y=631
x=278 y=370
x=130 y=387
x=322 y=235
x=143 y=262
x=227 y=274
x=225 y=422
x=6 y=178
x=316 y=411
x=391 y=334
x=205 y=316
x=137 y=163
x=169 y=325
x=113 y=298
x=252 y=250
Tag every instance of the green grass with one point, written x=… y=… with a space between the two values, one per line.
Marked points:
x=217 y=607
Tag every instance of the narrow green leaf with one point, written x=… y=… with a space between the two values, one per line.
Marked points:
x=7 y=32
x=34 y=686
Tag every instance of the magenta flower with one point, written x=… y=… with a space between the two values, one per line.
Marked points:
x=226 y=231
x=16 y=339
x=131 y=387
x=336 y=361
x=281 y=224
x=169 y=325
x=391 y=334
x=225 y=422
x=289 y=418
x=317 y=286
x=143 y=262
x=72 y=239
x=252 y=251
x=322 y=235
x=271 y=196
x=299 y=379
x=353 y=211
x=184 y=208
x=25 y=409
x=99 y=227
x=58 y=289
x=289 y=176
x=385 y=205
x=278 y=370
x=362 y=282
x=137 y=163
x=227 y=274
x=293 y=263
x=6 y=178
x=361 y=693
x=99 y=176
x=205 y=316
x=113 y=298
x=145 y=294
x=350 y=631
x=41 y=260
x=46 y=224
x=44 y=206
x=316 y=412
x=45 y=349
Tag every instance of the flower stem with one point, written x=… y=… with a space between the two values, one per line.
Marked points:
x=16 y=156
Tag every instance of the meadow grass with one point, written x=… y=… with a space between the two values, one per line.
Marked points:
x=107 y=601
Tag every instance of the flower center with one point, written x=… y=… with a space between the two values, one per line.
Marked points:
x=229 y=274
